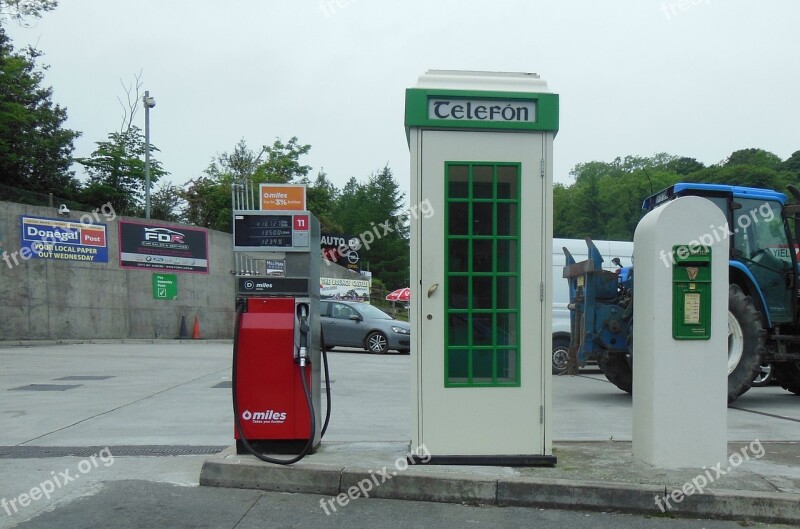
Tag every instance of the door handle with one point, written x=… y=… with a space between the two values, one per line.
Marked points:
x=432 y=289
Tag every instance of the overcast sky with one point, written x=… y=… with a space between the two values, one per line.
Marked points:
x=697 y=78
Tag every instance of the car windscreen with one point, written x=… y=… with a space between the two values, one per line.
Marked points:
x=368 y=311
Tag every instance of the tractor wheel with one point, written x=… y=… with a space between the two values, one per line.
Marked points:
x=788 y=376
x=745 y=342
x=617 y=370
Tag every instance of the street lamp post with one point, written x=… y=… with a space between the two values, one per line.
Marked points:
x=149 y=102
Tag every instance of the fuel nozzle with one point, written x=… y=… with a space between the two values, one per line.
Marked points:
x=302 y=316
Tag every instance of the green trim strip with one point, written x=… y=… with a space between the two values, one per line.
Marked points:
x=546 y=110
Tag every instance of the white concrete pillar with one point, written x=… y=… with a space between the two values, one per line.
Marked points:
x=680 y=385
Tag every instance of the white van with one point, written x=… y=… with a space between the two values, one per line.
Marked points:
x=578 y=249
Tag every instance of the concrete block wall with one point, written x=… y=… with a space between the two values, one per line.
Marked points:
x=48 y=299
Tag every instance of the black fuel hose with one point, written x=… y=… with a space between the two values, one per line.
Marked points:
x=327 y=389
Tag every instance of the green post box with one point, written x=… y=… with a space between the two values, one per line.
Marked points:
x=691 y=292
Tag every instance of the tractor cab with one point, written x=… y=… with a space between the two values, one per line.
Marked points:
x=763 y=252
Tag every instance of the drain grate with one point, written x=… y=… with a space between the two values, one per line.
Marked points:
x=46 y=387
x=85 y=377
x=37 y=452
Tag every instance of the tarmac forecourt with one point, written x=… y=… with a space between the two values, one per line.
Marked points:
x=124 y=396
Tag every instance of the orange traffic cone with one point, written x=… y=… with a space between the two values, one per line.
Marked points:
x=196 y=330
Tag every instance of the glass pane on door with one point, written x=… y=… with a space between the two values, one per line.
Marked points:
x=482 y=300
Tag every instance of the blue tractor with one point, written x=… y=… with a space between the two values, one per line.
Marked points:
x=763 y=310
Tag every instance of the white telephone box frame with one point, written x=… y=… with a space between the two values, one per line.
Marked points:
x=481 y=154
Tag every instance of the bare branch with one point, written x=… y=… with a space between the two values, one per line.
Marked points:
x=131 y=104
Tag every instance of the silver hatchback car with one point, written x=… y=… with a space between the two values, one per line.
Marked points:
x=352 y=324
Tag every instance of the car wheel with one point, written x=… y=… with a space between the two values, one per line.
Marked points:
x=560 y=357
x=764 y=377
x=377 y=343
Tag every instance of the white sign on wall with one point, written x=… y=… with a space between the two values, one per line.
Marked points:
x=344 y=289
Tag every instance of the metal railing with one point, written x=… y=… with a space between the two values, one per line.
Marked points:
x=33 y=198
x=243 y=199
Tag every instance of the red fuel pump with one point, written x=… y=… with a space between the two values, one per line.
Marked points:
x=277 y=349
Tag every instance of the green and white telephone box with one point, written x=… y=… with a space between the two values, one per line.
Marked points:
x=481 y=155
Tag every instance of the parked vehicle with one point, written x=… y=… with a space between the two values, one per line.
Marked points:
x=763 y=312
x=353 y=324
x=561 y=315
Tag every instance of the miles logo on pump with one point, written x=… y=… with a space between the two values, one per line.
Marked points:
x=264 y=417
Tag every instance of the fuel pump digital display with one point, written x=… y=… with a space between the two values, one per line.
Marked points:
x=263 y=230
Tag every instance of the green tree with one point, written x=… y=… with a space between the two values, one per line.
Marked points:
x=373 y=211
x=116 y=168
x=586 y=210
x=19 y=10
x=741 y=175
x=348 y=206
x=321 y=196
x=605 y=200
x=622 y=198
x=208 y=197
x=116 y=171
x=208 y=203
x=238 y=165
x=750 y=168
x=165 y=202
x=685 y=166
x=563 y=209
x=282 y=164
x=792 y=166
x=755 y=158
x=35 y=148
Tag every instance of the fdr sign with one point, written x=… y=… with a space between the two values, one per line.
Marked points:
x=170 y=248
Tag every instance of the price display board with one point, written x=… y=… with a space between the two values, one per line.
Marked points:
x=256 y=230
x=263 y=230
